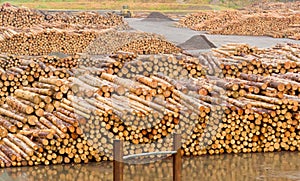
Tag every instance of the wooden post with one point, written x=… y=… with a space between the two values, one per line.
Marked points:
x=177 y=158
x=118 y=160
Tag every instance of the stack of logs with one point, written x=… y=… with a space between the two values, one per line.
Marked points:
x=111 y=41
x=42 y=40
x=35 y=33
x=281 y=59
x=277 y=6
x=11 y=16
x=270 y=23
x=19 y=17
x=72 y=113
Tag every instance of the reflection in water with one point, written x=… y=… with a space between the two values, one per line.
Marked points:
x=280 y=166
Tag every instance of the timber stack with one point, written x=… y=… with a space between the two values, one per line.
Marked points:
x=278 y=6
x=86 y=32
x=23 y=17
x=280 y=59
x=70 y=108
x=275 y=23
x=111 y=41
x=74 y=116
x=41 y=40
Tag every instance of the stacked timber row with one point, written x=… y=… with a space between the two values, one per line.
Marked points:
x=23 y=17
x=87 y=19
x=240 y=58
x=273 y=23
x=277 y=6
x=74 y=116
x=111 y=41
x=43 y=41
x=195 y=18
x=175 y=67
x=217 y=21
x=19 y=17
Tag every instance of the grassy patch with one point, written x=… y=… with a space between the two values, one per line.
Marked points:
x=135 y=5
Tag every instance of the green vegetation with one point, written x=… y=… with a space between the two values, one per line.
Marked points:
x=135 y=5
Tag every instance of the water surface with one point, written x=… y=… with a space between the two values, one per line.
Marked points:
x=279 y=166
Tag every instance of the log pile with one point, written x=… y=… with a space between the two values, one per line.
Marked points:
x=281 y=59
x=270 y=23
x=277 y=6
x=42 y=40
x=111 y=41
x=180 y=67
x=195 y=18
x=107 y=20
x=71 y=113
x=11 y=16
x=19 y=17
x=39 y=33
x=217 y=21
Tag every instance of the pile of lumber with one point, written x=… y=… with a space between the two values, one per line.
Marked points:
x=72 y=113
x=42 y=40
x=281 y=59
x=111 y=41
x=277 y=6
x=195 y=18
x=273 y=23
x=175 y=67
x=22 y=17
x=19 y=17
x=87 y=19
x=217 y=20
x=35 y=33
x=260 y=24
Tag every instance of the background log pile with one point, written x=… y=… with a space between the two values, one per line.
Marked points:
x=280 y=59
x=87 y=19
x=40 y=33
x=23 y=17
x=271 y=24
x=278 y=24
x=217 y=20
x=278 y=6
x=19 y=17
x=111 y=41
x=42 y=41
x=195 y=18
x=72 y=113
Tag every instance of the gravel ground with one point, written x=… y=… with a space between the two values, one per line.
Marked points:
x=180 y=35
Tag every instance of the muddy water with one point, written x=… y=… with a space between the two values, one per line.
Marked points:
x=280 y=166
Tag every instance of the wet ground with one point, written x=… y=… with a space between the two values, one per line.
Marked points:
x=279 y=166
x=180 y=35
